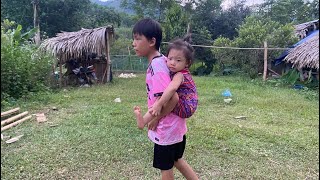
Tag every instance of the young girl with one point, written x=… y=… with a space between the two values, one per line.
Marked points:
x=180 y=56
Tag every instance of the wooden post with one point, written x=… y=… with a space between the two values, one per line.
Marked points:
x=60 y=73
x=106 y=71
x=108 y=55
x=265 y=61
x=130 y=63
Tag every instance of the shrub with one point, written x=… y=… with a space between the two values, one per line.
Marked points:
x=24 y=69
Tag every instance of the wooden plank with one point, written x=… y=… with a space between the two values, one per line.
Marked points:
x=12 y=111
x=15 y=123
x=11 y=119
x=265 y=61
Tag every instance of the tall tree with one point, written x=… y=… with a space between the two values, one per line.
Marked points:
x=176 y=23
x=36 y=21
x=148 y=8
x=59 y=15
x=290 y=11
x=226 y=23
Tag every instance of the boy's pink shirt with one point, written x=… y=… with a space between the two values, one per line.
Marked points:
x=171 y=128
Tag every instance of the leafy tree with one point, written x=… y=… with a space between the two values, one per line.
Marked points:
x=290 y=11
x=226 y=22
x=201 y=36
x=175 y=24
x=148 y=8
x=252 y=33
x=205 y=10
x=98 y=16
x=59 y=15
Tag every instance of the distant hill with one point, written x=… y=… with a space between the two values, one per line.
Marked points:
x=116 y=4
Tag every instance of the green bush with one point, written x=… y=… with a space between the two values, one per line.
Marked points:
x=252 y=34
x=24 y=69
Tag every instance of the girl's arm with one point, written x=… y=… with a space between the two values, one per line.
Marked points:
x=167 y=94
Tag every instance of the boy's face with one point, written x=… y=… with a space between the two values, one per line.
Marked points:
x=141 y=45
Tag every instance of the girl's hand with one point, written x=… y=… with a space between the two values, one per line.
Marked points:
x=156 y=109
x=153 y=125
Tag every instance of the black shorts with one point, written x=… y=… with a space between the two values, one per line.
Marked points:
x=165 y=156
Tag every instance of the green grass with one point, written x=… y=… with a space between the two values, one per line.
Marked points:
x=95 y=138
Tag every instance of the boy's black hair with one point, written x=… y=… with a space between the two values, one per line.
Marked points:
x=185 y=46
x=150 y=29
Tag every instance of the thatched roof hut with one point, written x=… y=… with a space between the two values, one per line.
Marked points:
x=303 y=29
x=305 y=54
x=67 y=45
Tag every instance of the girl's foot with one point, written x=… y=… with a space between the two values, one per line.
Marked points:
x=139 y=118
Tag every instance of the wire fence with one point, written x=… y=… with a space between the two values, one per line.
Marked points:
x=231 y=56
x=129 y=63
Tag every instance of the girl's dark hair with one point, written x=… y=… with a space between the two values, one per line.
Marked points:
x=183 y=45
x=150 y=29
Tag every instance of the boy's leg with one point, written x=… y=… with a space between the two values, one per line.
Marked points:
x=185 y=169
x=167 y=174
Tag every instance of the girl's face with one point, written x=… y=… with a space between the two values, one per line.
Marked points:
x=141 y=45
x=176 y=60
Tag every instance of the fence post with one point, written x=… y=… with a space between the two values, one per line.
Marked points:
x=265 y=60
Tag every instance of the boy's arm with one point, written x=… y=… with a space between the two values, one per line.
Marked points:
x=167 y=94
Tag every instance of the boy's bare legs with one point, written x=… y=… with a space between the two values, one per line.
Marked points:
x=167 y=174
x=185 y=169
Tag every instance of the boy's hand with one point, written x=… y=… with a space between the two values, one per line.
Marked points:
x=153 y=125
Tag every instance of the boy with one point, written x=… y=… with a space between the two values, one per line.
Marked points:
x=168 y=133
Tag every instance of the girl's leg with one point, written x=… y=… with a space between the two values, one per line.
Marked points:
x=167 y=174
x=166 y=109
x=185 y=169
x=141 y=121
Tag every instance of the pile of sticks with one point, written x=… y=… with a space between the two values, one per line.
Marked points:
x=12 y=119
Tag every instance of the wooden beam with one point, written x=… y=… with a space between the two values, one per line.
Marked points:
x=7 y=121
x=12 y=111
x=15 y=123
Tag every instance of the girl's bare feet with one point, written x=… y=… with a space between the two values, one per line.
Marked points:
x=139 y=118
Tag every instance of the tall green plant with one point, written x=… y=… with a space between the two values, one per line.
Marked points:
x=24 y=69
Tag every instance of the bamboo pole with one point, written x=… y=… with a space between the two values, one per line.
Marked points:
x=265 y=61
x=109 y=61
x=12 y=111
x=9 y=120
x=107 y=57
x=15 y=123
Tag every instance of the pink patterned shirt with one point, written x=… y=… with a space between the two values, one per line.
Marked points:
x=171 y=128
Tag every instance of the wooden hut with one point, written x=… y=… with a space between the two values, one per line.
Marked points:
x=80 y=44
x=305 y=56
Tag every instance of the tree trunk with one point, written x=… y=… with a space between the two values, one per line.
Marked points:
x=36 y=21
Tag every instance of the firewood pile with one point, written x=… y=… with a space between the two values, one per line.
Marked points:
x=12 y=118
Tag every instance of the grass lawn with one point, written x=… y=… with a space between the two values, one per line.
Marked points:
x=92 y=137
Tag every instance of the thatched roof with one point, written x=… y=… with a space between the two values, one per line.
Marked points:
x=305 y=54
x=67 y=45
x=302 y=29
